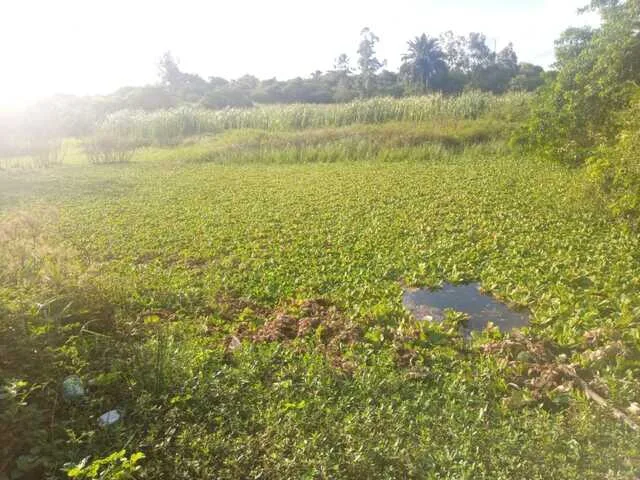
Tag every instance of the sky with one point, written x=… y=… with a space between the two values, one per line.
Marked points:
x=87 y=47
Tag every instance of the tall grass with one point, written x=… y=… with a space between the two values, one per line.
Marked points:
x=171 y=127
x=167 y=126
x=382 y=141
x=36 y=153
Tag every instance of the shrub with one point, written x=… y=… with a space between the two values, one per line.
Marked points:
x=47 y=152
x=44 y=151
x=576 y=111
x=106 y=148
x=616 y=169
x=114 y=466
x=227 y=97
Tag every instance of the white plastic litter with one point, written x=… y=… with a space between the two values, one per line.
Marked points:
x=234 y=344
x=109 y=418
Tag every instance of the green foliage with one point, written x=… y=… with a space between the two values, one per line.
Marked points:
x=576 y=112
x=224 y=98
x=528 y=79
x=167 y=126
x=179 y=293
x=33 y=136
x=393 y=141
x=113 y=467
x=22 y=424
x=616 y=169
x=588 y=112
x=423 y=61
x=148 y=98
x=272 y=409
x=368 y=63
x=474 y=65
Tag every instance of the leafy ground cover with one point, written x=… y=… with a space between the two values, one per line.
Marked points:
x=246 y=318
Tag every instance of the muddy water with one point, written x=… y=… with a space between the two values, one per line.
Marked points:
x=430 y=305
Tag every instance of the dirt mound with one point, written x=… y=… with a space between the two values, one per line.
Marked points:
x=327 y=329
x=316 y=318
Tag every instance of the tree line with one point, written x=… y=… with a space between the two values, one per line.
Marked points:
x=448 y=64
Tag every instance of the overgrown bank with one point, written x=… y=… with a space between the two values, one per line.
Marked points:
x=246 y=321
x=588 y=114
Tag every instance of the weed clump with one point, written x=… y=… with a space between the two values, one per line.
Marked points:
x=106 y=148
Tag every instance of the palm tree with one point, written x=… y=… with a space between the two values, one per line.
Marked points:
x=423 y=61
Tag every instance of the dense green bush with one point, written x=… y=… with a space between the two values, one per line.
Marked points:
x=616 y=169
x=577 y=111
x=227 y=97
x=588 y=112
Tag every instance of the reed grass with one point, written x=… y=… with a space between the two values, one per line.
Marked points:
x=167 y=126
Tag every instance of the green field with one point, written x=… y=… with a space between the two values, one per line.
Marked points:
x=142 y=278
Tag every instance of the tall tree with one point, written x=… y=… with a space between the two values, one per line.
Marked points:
x=455 y=52
x=529 y=78
x=344 y=90
x=480 y=55
x=423 y=61
x=367 y=61
x=342 y=64
x=507 y=59
x=571 y=43
x=169 y=72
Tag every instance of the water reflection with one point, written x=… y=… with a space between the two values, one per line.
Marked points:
x=430 y=305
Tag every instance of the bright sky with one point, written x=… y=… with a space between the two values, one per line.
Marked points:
x=94 y=47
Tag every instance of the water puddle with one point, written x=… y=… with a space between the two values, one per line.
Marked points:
x=430 y=305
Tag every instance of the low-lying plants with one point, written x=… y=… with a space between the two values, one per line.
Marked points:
x=246 y=320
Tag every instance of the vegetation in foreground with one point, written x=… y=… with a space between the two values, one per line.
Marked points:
x=588 y=114
x=246 y=319
x=233 y=300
